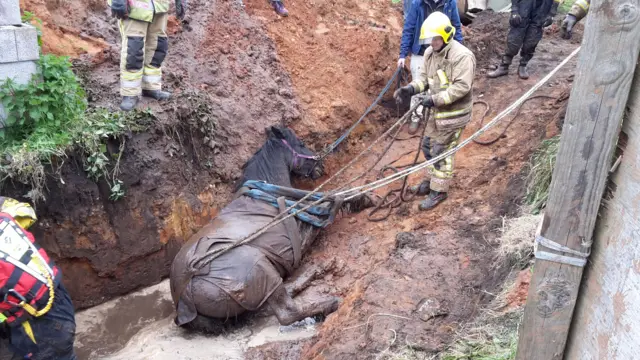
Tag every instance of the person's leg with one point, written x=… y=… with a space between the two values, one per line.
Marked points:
x=133 y=34
x=533 y=35
x=55 y=331
x=417 y=63
x=441 y=172
x=155 y=50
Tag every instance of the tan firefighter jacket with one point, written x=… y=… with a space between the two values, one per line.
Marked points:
x=144 y=10
x=448 y=75
x=580 y=9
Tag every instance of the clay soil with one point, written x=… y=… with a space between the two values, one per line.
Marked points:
x=410 y=280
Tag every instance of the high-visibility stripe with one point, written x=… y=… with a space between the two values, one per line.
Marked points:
x=131 y=84
x=151 y=78
x=583 y=4
x=148 y=70
x=453 y=113
x=446 y=97
x=444 y=80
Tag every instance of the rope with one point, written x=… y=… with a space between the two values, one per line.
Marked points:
x=198 y=263
x=509 y=123
x=357 y=191
x=335 y=144
x=578 y=259
x=209 y=256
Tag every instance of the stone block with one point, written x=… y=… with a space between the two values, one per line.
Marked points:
x=27 y=43
x=8 y=49
x=20 y=72
x=10 y=12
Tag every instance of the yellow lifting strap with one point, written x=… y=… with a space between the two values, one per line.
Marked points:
x=29 y=331
x=30 y=309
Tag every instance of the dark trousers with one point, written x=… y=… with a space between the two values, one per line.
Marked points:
x=54 y=333
x=526 y=37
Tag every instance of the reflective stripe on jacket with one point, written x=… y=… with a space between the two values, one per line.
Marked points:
x=580 y=9
x=450 y=88
x=144 y=10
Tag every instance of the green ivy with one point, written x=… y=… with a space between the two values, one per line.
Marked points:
x=53 y=96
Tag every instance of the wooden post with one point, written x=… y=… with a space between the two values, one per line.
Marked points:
x=594 y=116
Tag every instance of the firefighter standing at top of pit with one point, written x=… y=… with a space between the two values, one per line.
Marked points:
x=528 y=17
x=36 y=313
x=415 y=13
x=447 y=74
x=143 y=27
x=578 y=11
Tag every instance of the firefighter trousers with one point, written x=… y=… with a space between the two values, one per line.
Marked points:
x=54 y=333
x=435 y=143
x=144 y=47
x=525 y=38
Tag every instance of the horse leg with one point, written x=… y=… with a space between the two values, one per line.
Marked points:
x=303 y=281
x=289 y=310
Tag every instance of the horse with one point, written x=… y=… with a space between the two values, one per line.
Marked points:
x=245 y=277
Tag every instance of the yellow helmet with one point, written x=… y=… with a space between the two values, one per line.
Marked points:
x=436 y=24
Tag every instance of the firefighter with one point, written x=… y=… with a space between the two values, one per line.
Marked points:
x=36 y=313
x=418 y=10
x=143 y=25
x=447 y=74
x=528 y=17
x=578 y=11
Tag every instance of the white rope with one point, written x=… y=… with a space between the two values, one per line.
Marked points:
x=359 y=190
x=578 y=259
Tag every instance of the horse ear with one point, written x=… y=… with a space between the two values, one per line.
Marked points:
x=277 y=132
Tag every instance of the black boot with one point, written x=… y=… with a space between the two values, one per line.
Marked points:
x=157 y=94
x=522 y=72
x=128 y=103
x=503 y=68
x=420 y=189
x=434 y=198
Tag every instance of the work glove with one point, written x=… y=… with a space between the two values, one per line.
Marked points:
x=403 y=93
x=119 y=9
x=428 y=101
x=548 y=21
x=567 y=26
x=401 y=62
x=181 y=8
x=515 y=20
x=552 y=13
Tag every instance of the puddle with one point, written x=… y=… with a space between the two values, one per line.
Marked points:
x=140 y=326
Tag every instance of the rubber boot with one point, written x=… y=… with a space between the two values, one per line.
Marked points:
x=522 y=72
x=502 y=70
x=434 y=198
x=157 y=94
x=128 y=103
x=421 y=189
x=278 y=6
x=413 y=127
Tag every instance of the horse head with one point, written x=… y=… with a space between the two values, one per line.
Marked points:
x=303 y=161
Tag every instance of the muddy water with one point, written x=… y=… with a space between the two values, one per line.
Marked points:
x=140 y=326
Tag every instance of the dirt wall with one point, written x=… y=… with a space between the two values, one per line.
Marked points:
x=224 y=72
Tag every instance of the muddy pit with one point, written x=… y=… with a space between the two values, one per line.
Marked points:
x=238 y=68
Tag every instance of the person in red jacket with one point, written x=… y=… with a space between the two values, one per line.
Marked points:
x=36 y=313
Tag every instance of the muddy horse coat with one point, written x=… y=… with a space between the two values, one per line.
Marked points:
x=247 y=276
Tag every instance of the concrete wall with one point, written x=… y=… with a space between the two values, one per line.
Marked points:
x=606 y=322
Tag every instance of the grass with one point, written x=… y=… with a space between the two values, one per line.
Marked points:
x=565 y=6
x=541 y=169
x=25 y=159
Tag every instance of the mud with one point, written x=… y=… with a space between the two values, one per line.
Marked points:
x=228 y=87
x=140 y=326
x=408 y=281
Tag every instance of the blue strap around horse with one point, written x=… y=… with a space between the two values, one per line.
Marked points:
x=269 y=193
